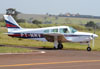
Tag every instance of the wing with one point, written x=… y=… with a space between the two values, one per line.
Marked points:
x=50 y=37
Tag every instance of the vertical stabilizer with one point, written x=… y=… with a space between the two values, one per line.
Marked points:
x=11 y=24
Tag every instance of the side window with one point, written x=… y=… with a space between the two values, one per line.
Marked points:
x=54 y=30
x=63 y=30
x=46 y=31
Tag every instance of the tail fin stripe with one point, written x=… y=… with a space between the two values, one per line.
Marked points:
x=10 y=25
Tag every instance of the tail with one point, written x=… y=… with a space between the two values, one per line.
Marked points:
x=11 y=24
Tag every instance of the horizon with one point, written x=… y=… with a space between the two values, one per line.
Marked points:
x=51 y=14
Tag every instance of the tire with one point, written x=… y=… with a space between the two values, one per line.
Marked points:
x=88 y=48
x=60 y=46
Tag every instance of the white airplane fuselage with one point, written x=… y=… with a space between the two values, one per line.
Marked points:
x=38 y=34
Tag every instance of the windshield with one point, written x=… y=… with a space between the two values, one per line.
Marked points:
x=63 y=30
x=72 y=30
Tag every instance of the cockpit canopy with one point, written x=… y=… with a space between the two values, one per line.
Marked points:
x=61 y=30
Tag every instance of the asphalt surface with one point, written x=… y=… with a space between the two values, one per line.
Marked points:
x=52 y=59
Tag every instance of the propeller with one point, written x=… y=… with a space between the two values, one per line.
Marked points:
x=93 y=41
x=93 y=36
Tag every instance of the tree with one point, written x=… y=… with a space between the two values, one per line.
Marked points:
x=21 y=20
x=90 y=24
x=13 y=12
x=36 y=22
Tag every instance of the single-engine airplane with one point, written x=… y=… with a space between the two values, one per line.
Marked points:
x=57 y=34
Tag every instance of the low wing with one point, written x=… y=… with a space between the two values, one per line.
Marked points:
x=50 y=37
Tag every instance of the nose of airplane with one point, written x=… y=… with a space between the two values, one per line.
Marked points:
x=95 y=35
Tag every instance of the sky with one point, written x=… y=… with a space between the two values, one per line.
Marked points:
x=85 y=7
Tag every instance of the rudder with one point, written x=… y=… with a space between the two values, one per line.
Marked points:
x=11 y=24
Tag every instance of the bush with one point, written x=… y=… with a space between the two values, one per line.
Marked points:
x=2 y=24
x=36 y=22
x=90 y=24
x=21 y=20
x=2 y=20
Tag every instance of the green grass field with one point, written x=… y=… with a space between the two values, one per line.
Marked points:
x=74 y=22
x=14 y=50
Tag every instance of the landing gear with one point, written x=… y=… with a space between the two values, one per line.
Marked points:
x=60 y=46
x=88 y=48
x=57 y=44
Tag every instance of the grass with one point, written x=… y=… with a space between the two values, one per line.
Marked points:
x=14 y=50
x=6 y=40
x=68 y=20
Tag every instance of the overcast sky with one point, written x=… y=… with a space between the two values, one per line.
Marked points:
x=88 y=7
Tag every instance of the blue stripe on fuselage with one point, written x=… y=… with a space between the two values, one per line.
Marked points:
x=75 y=35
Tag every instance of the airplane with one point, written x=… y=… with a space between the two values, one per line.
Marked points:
x=57 y=34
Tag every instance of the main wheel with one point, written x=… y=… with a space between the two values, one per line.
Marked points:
x=60 y=46
x=88 y=48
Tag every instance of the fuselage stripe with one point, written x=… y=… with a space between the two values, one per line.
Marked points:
x=37 y=35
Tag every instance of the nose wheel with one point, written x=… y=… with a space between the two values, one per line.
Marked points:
x=88 y=48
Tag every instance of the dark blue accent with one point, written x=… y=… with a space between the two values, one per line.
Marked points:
x=75 y=35
x=12 y=27
x=11 y=24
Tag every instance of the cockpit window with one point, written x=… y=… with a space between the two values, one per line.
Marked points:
x=46 y=31
x=54 y=30
x=72 y=30
x=63 y=30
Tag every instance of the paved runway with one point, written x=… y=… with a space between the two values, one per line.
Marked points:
x=52 y=59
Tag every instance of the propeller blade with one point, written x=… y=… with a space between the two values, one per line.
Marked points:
x=93 y=42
